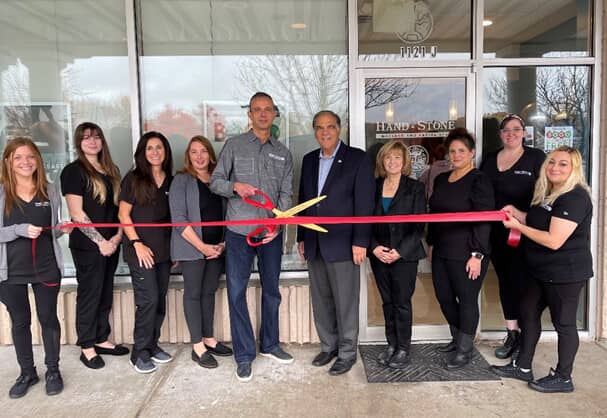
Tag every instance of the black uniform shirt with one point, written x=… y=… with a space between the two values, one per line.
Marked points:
x=157 y=239
x=211 y=209
x=573 y=261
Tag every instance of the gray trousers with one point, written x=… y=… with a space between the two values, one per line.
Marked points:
x=335 y=291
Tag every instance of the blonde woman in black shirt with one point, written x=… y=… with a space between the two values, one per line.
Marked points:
x=558 y=260
x=460 y=250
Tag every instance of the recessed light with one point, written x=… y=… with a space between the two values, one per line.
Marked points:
x=487 y=22
x=298 y=25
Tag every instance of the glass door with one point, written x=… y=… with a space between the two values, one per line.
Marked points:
x=417 y=107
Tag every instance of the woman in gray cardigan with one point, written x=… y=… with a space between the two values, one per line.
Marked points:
x=198 y=250
x=29 y=209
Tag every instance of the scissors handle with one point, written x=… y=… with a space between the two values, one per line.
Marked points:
x=264 y=203
x=266 y=228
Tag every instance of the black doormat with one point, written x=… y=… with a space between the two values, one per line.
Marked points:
x=427 y=365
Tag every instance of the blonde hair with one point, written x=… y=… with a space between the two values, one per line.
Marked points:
x=8 y=179
x=544 y=194
x=187 y=162
x=388 y=147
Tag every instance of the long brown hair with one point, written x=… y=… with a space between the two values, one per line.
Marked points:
x=8 y=179
x=187 y=162
x=143 y=190
x=105 y=160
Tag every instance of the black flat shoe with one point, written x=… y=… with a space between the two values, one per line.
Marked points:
x=94 y=363
x=324 y=358
x=118 y=350
x=399 y=360
x=54 y=382
x=341 y=366
x=22 y=385
x=384 y=357
x=220 y=350
x=205 y=360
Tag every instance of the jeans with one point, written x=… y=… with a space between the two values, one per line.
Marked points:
x=239 y=262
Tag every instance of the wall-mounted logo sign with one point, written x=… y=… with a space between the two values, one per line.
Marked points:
x=417 y=21
x=419 y=159
x=419 y=129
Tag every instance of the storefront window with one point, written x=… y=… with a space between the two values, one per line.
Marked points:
x=537 y=28
x=63 y=63
x=405 y=30
x=555 y=103
x=200 y=67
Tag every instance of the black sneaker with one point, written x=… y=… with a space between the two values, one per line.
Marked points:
x=54 y=382
x=512 y=371
x=279 y=355
x=22 y=384
x=553 y=383
x=244 y=373
x=511 y=343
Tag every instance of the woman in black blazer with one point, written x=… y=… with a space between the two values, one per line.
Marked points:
x=396 y=248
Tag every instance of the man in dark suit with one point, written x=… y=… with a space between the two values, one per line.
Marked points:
x=345 y=175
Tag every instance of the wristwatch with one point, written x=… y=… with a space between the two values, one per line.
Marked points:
x=135 y=241
x=478 y=255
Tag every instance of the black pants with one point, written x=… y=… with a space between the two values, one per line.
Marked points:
x=457 y=294
x=95 y=276
x=15 y=297
x=562 y=301
x=200 y=281
x=396 y=284
x=150 y=288
x=508 y=264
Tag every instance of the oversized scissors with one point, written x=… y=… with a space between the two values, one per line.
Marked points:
x=266 y=203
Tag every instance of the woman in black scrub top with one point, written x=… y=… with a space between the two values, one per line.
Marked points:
x=558 y=260
x=460 y=250
x=91 y=185
x=199 y=250
x=513 y=170
x=144 y=199
x=28 y=203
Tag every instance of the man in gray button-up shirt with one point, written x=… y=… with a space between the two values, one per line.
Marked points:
x=247 y=162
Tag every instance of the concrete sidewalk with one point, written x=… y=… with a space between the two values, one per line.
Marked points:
x=183 y=389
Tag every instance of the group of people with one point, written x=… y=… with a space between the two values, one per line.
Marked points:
x=548 y=202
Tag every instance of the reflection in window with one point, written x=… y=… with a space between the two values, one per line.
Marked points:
x=59 y=67
x=537 y=28
x=197 y=78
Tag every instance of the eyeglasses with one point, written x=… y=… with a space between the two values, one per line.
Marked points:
x=515 y=130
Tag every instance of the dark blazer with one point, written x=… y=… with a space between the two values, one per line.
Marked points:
x=403 y=237
x=349 y=188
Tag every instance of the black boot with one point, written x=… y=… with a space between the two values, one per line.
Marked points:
x=463 y=352
x=384 y=357
x=449 y=347
x=511 y=343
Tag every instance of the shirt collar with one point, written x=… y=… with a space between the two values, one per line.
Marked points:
x=320 y=157
x=252 y=137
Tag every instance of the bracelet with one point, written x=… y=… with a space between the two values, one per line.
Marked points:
x=135 y=241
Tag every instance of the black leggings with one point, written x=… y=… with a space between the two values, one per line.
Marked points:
x=15 y=297
x=562 y=301
x=200 y=280
x=508 y=264
x=456 y=293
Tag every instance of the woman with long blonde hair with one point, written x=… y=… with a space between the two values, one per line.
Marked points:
x=91 y=185
x=29 y=209
x=556 y=232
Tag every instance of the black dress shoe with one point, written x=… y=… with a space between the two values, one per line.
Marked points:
x=399 y=360
x=384 y=357
x=205 y=360
x=220 y=350
x=324 y=358
x=341 y=366
x=94 y=363
x=54 y=382
x=118 y=350
x=23 y=383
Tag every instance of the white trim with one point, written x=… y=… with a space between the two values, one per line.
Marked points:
x=536 y=62
x=133 y=58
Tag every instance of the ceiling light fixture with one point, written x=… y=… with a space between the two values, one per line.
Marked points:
x=298 y=25
x=487 y=22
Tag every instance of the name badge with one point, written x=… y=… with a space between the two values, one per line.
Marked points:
x=523 y=172
x=276 y=157
x=42 y=204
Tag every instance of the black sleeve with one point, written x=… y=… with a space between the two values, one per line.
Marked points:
x=125 y=189
x=538 y=159
x=412 y=241
x=482 y=200
x=73 y=180
x=363 y=205
x=572 y=206
x=432 y=225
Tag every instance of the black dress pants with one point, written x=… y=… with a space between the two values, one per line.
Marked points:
x=457 y=294
x=396 y=284
x=150 y=288
x=200 y=281
x=509 y=267
x=95 y=276
x=15 y=297
x=562 y=300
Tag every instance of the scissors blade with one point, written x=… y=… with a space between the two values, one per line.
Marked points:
x=302 y=206
x=314 y=227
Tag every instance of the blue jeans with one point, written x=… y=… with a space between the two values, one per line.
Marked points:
x=239 y=263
